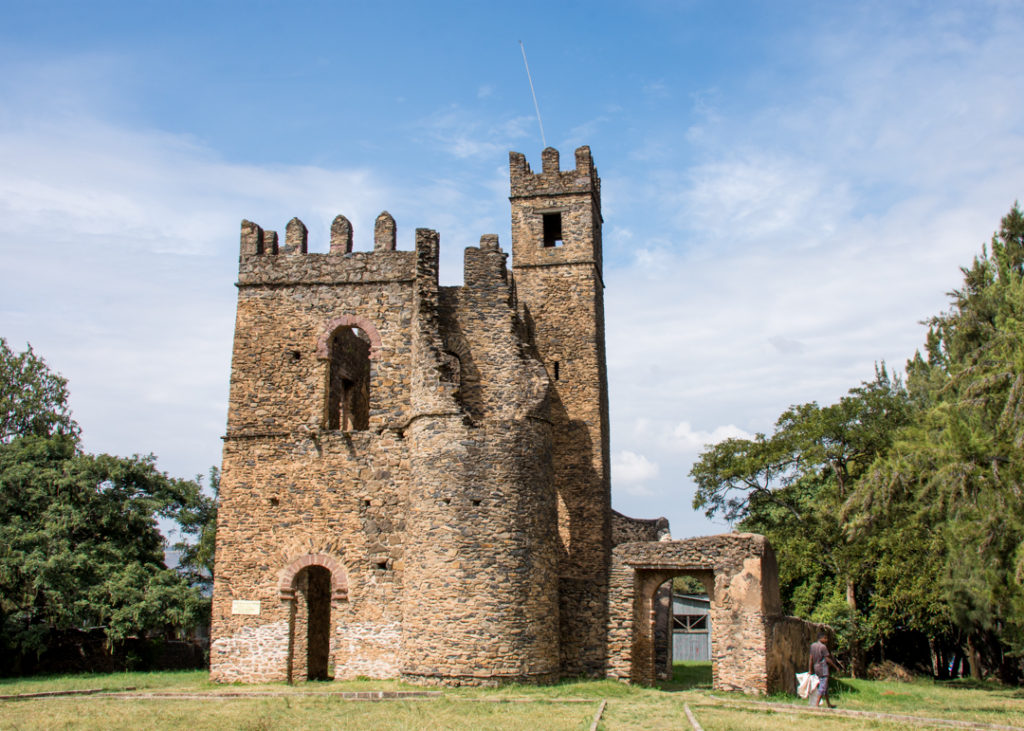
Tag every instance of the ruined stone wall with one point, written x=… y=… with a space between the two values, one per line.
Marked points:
x=631 y=530
x=740 y=573
x=443 y=453
x=789 y=643
x=290 y=486
x=627 y=530
x=480 y=591
x=561 y=296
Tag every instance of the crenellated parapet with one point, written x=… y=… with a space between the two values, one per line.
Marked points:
x=257 y=242
x=552 y=180
x=263 y=261
x=556 y=214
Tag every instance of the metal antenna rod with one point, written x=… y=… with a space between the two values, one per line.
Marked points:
x=537 y=108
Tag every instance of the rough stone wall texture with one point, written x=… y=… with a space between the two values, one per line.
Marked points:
x=627 y=530
x=291 y=486
x=435 y=511
x=789 y=642
x=561 y=294
x=481 y=586
x=741 y=576
x=630 y=530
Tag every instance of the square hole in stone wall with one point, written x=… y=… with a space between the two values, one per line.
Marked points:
x=552 y=229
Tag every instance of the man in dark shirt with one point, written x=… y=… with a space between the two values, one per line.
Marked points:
x=818 y=664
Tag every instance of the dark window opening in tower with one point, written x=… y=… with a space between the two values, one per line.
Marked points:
x=552 y=229
x=556 y=370
x=348 y=396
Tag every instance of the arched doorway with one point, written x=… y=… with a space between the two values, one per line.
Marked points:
x=754 y=648
x=311 y=583
x=312 y=619
x=677 y=632
x=653 y=655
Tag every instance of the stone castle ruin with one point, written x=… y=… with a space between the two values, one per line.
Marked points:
x=416 y=478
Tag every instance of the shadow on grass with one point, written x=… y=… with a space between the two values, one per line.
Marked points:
x=839 y=687
x=688 y=675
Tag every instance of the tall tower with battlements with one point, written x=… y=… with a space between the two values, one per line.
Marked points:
x=556 y=263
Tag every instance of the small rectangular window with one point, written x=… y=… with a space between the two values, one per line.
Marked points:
x=552 y=229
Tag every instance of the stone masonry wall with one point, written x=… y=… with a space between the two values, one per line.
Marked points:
x=292 y=487
x=789 y=643
x=481 y=590
x=631 y=530
x=740 y=573
x=560 y=292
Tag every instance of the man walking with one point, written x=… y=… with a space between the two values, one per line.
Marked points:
x=818 y=664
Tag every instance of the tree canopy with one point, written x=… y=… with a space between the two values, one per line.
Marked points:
x=79 y=544
x=33 y=399
x=898 y=512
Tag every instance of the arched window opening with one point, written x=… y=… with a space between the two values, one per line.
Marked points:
x=348 y=402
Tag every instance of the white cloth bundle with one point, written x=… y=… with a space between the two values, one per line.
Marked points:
x=806 y=683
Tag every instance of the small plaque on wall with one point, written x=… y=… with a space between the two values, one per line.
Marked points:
x=245 y=606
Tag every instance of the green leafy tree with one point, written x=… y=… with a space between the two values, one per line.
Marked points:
x=79 y=544
x=957 y=474
x=910 y=502
x=33 y=399
x=791 y=487
x=199 y=523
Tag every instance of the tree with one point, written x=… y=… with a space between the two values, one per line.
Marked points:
x=33 y=399
x=199 y=523
x=910 y=501
x=79 y=544
x=791 y=487
x=957 y=472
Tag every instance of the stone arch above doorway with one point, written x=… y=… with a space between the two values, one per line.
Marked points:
x=339 y=577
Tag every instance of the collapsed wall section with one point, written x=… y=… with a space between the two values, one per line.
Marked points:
x=480 y=593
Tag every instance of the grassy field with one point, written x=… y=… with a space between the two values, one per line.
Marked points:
x=187 y=700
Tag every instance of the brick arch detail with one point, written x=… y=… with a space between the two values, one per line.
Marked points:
x=323 y=352
x=339 y=577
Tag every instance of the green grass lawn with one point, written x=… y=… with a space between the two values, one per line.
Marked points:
x=567 y=705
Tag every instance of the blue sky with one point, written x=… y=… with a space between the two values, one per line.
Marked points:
x=789 y=188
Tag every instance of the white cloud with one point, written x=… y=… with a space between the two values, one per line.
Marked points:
x=632 y=467
x=688 y=439
x=632 y=471
x=807 y=242
x=120 y=250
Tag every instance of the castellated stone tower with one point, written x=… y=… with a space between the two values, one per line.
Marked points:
x=415 y=480
x=556 y=250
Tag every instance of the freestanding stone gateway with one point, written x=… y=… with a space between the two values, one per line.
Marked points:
x=416 y=478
